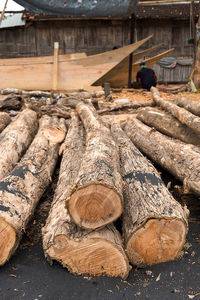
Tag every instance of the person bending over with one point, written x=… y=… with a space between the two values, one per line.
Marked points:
x=146 y=77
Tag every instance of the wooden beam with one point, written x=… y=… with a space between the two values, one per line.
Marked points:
x=3 y=12
x=55 y=66
x=165 y=2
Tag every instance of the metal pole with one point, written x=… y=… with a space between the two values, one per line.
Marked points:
x=132 y=24
x=3 y=12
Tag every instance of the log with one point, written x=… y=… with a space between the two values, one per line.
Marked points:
x=154 y=223
x=190 y=105
x=15 y=139
x=167 y=124
x=11 y=102
x=178 y=158
x=82 y=252
x=96 y=198
x=133 y=104
x=54 y=110
x=181 y=114
x=5 y=119
x=21 y=190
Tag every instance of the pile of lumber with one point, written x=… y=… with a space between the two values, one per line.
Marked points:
x=103 y=176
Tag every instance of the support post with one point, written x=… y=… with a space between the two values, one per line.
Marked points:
x=55 y=66
x=131 y=55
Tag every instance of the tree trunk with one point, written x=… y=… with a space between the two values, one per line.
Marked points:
x=15 y=139
x=96 y=198
x=184 y=116
x=5 y=119
x=82 y=252
x=180 y=159
x=168 y=125
x=154 y=223
x=133 y=105
x=11 y=102
x=196 y=75
x=21 y=190
x=190 y=105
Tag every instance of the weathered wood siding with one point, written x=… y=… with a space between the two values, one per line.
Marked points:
x=94 y=36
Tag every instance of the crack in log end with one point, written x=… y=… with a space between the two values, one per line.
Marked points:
x=91 y=256
x=160 y=240
x=143 y=178
x=94 y=206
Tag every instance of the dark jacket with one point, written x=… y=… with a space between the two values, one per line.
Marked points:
x=146 y=77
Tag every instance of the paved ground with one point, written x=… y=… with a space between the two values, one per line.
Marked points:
x=29 y=276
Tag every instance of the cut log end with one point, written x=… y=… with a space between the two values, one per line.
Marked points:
x=160 y=240
x=95 y=257
x=94 y=206
x=54 y=134
x=7 y=241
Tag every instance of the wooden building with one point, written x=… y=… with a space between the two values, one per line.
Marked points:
x=169 y=24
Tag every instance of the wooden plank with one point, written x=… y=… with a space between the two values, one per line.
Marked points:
x=73 y=74
x=121 y=70
x=119 y=79
x=55 y=66
x=39 y=60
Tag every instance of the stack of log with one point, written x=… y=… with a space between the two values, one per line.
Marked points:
x=103 y=176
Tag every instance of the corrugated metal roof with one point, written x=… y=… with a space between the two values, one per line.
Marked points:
x=13 y=21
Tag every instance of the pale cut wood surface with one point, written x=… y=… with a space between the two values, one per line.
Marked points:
x=70 y=75
x=180 y=159
x=82 y=252
x=119 y=76
x=154 y=223
x=21 y=190
x=184 y=116
x=169 y=125
x=121 y=70
x=96 y=198
x=15 y=139
x=5 y=119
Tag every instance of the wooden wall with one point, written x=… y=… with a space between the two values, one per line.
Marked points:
x=96 y=36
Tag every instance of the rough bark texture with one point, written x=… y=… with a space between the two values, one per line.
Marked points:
x=5 y=119
x=11 y=102
x=184 y=116
x=167 y=124
x=133 y=104
x=82 y=252
x=180 y=159
x=15 y=139
x=21 y=190
x=96 y=198
x=190 y=105
x=154 y=223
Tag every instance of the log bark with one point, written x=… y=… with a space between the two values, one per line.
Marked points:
x=56 y=111
x=5 y=119
x=96 y=199
x=133 y=104
x=21 y=190
x=15 y=139
x=11 y=102
x=154 y=223
x=167 y=124
x=184 y=116
x=180 y=159
x=82 y=252
x=190 y=105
